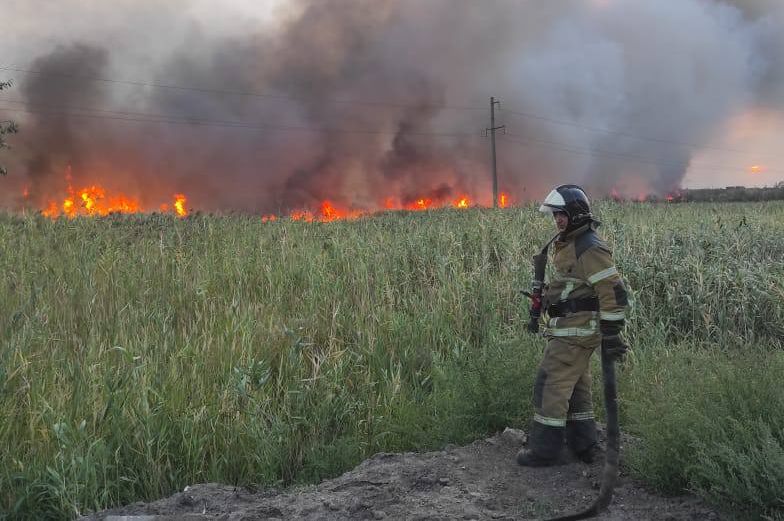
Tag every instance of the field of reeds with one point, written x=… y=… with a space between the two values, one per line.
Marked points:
x=143 y=354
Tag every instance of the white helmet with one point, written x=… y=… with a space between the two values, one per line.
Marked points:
x=571 y=200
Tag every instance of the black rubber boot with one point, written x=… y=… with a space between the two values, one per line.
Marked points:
x=582 y=439
x=544 y=446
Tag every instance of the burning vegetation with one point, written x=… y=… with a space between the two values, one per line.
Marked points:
x=96 y=201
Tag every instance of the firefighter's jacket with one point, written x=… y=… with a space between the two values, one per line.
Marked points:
x=584 y=273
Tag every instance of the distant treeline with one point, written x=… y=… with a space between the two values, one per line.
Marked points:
x=734 y=193
x=728 y=194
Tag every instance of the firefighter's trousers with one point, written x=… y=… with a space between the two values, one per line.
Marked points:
x=562 y=400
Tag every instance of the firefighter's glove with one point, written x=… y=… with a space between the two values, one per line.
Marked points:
x=614 y=347
x=534 y=313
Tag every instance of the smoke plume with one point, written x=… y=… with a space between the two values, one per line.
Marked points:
x=363 y=101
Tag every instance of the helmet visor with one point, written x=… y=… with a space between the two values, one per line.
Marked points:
x=554 y=202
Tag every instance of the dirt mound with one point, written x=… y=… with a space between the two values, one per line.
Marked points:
x=478 y=481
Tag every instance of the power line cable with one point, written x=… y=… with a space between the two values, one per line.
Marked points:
x=373 y=103
x=136 y=117
x=151 y=116
x=229 y=92
x=528 y=115
x=599 y=151
x=290 y=128
x=141 y=118
x=545 y=144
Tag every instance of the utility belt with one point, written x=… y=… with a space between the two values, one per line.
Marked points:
x=565 y=307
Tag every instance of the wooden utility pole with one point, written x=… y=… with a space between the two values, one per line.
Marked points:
x=492 y=129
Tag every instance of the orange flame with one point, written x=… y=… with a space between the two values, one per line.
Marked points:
x=52 y=210
x=94 y=201
x=179 y=205
x=421 y=204
x=302 y=215
x=328 y=212
x=463 y=202
x=91 y=201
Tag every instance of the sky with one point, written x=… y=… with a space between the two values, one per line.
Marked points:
x=614 y=94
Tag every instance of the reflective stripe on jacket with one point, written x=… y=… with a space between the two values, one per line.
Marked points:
x=582 y=268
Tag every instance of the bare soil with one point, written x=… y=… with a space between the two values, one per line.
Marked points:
x=479 y=481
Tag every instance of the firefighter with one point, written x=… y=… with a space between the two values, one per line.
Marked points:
x=585 y=301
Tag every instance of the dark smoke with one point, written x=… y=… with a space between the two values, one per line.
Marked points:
x=674 y=71
x=60 y=142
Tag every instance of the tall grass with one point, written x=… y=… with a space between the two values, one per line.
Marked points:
x=722 y=436
x=143 y=354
